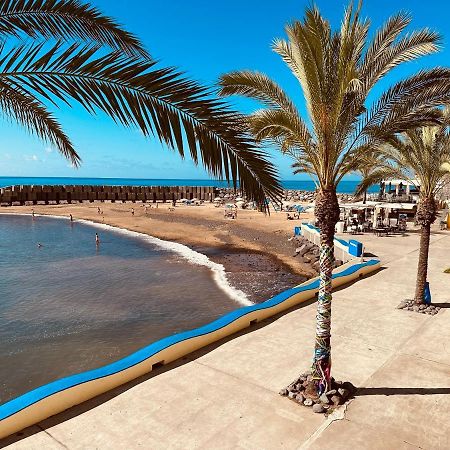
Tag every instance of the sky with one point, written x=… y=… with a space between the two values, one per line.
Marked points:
x=204 y=39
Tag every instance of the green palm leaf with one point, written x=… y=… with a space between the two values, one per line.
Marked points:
x=28 y=111
x=65 y=19
x=160 y=102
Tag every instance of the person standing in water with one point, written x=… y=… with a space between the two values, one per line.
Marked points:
x=97 y=239
x=71 y=217
x=32 y=214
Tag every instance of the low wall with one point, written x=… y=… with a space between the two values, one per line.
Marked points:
x=343 y=250
x=59 y=395
x=21 y=195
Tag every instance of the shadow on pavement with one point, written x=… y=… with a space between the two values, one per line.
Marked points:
x=401 y=391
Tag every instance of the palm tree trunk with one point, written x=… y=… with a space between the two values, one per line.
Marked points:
x=426 y=215
x=327 y=214
x=365 y=198
x=422 y=267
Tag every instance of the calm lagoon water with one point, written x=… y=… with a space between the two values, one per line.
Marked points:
x=68 y=306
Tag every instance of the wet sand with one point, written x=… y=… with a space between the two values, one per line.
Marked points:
x=254 y=248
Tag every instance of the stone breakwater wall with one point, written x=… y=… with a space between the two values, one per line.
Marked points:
x=37 y=195
x=290 y=195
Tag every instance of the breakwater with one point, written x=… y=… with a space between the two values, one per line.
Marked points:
x=61 y=194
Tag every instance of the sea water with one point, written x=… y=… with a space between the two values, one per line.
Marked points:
x=68 y=305
x=345 y=186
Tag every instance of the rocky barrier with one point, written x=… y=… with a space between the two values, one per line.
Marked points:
x=48 y=195
x=288 y=195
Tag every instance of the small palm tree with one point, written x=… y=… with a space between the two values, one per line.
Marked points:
x=336 y=71
x=421 y=154
x=373 y=167
x=79 y=55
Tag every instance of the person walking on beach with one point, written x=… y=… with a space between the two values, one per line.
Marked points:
x=132 y=211
x=98 y=210
x=97 y=240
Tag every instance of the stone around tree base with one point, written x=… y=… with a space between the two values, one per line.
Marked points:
x=410 y=305
x=303 y=391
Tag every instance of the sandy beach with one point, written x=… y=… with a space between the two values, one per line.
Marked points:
x=254 y=248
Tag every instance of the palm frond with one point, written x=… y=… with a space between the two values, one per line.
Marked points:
x=161 y=102
x=376 y=176
x=32 y=114
x=65 y=19
x=386 y=52
x=257 y=86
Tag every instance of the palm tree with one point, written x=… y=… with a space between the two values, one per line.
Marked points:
x=78 y=55
x=421 y=154
x=336 y=71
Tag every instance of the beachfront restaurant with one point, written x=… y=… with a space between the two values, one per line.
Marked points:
x=362 y=217
x=399 y=190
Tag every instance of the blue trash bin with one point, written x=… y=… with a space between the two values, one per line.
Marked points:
x=427 y=294
x=355 y=248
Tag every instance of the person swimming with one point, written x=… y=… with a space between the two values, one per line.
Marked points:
x=39 y=245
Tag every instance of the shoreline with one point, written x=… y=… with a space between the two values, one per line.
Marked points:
x=257 y=261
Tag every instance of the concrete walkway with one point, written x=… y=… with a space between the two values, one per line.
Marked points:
x=227 y=397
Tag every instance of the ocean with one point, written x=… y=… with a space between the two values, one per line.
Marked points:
x=346 y=186
x=68 y=306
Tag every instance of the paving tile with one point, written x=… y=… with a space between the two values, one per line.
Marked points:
x=408 y=397
x=344 y=434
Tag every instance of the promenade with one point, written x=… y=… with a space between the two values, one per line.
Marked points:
x=226 y=396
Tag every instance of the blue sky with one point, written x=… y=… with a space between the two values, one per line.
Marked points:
x=204 y=39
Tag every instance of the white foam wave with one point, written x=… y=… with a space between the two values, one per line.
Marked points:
x=218 y=270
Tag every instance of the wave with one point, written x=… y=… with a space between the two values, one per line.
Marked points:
x=194 y=257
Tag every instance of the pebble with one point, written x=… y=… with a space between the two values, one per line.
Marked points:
x=292 y=394
x=308 y=402
x=318 y=408
x=284 y=392
x=336 y=400
x=299 y=398
x=324 y=399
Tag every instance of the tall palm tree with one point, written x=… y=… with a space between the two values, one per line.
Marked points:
x=78 y=55
x=336 y=71
x=421 y=154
